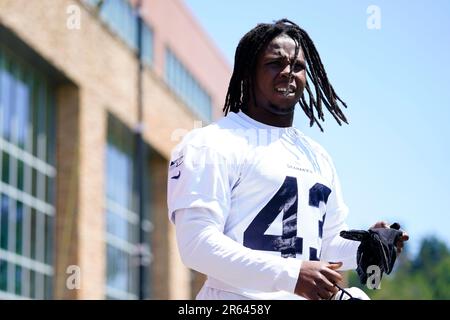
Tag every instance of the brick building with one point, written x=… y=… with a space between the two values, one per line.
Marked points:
x=92 y=100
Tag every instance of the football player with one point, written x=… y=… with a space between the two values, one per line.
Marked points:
x=257 y=205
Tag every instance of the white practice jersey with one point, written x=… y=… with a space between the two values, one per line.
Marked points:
x=272 y=189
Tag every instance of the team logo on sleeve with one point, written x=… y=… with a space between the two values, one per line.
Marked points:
x=175 y=164
x=177 y=176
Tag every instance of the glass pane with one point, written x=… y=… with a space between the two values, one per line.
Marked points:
x=19 y=227
x=117 y=268
x=147 y=225
x=5 y=167
x=133 y=263
x=147 y=44
x=35 y=113
x=51 y=130
x=119 y=166
x=27 y=178
x=33 y=234
x=116 y=225
x=4 y=222
x=40 y=236
x=41 y=186
x=20 y=175
x=3 y=275
x=41 y=139
x=25 y=282
x=34 y=188
x=32 y=284
x=50 y=190
x=11 y=283
x=40 y=286
x=6 y=102
x=2 y=59
x=22 y=97
x=26 y=231
x=133 y=233
x=49 y=231
x=48 y=287
x=18 y=279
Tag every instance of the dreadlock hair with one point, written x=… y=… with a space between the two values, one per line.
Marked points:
x=247 y=52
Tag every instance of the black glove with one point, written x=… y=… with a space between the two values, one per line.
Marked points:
x=378 y=247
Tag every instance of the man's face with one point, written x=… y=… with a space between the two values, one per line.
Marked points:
x=273 y=90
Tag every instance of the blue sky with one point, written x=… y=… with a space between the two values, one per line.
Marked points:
x=394 y=157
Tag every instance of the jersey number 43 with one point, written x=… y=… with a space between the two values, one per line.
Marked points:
x=285 y=202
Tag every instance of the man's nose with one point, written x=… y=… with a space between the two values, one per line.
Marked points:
x=286 y=70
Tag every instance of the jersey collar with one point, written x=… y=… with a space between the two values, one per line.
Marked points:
x=259 y=125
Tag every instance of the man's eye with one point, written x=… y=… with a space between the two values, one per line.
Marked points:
x=298 y=67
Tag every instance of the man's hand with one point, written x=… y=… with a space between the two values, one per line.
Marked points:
x=400 y=242
x=317 y=280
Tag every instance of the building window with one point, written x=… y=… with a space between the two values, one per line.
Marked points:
x=147 y=44
x=27 y=157
x=122 y=218
x=122 y=18
x=185 y=86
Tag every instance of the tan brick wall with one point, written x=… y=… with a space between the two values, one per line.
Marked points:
x=164 y=116
x=160 y=253
x=170 y=278
x=81 y=133
x=93 y=128
x=67 y=189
